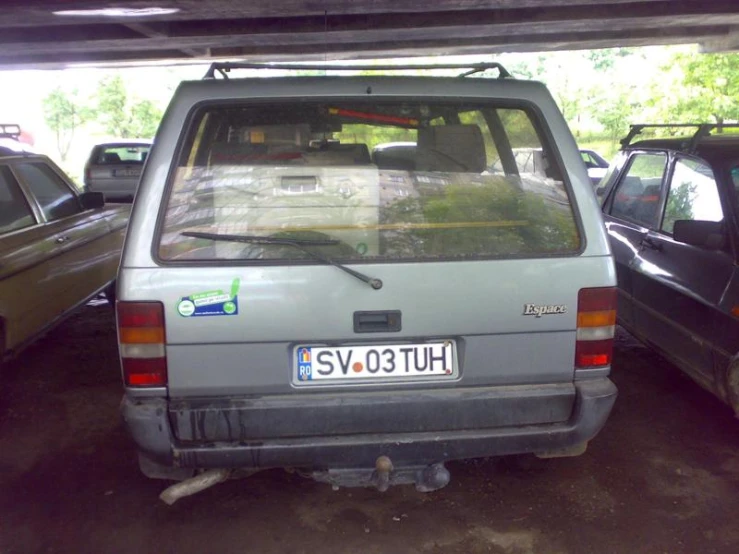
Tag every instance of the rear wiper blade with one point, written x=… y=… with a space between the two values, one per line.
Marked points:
x=300 y=244
x=257 y=239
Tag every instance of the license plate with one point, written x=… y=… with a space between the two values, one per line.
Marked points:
x=376 y=362
x=127 y=172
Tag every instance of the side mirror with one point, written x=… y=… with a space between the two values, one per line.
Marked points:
x=705 y=234
x=92 y=200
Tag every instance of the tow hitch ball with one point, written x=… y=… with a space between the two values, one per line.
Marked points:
x=383 y=467
x=426 y=479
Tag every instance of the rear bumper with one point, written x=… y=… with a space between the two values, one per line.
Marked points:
x=150 y=423
x=114 y=190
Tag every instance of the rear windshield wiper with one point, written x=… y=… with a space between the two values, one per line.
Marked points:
x=300 y=244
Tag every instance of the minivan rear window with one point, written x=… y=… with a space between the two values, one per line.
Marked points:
x=366 y=181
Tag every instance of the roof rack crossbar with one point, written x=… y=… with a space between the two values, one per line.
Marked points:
x=10 y=130
x=701 y=130
x=223 y=68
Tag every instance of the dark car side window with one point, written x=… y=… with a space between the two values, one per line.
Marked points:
x=693 y=194
x=588 y=160
x=54 y=196
x=15 y=213
x=637 y=195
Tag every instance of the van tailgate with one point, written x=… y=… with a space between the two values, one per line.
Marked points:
x=478 y=308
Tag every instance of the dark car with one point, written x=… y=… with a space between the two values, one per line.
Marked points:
x=595 y=164
x=670 y=208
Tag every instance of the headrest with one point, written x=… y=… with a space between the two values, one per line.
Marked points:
x=452 y=148
x=398 y=156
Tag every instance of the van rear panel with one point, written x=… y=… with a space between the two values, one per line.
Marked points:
x=480 y=306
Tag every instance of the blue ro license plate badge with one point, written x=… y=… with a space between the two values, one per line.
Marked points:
x=376 y=362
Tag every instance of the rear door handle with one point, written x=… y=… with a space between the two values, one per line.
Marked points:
x=377 y=322
x=651 y=244
x=62 y=240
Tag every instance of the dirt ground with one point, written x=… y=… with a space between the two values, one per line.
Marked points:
x=662 y=477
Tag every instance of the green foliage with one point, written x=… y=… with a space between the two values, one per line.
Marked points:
x=64 y=114
x=495 y=219
x=521 y=70
x=372 y=135
x=605 y=59
x=147 y=115
x=706 y=89
x=679 y=205
x=121 y=115
x=606 y=90
x=614 y=115
x=712 y=86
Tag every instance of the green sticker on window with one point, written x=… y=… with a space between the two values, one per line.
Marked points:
x=211 y=303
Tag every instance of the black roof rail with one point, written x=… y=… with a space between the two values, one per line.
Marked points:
x=10 y=130
x=701 y=130
x=223 y=68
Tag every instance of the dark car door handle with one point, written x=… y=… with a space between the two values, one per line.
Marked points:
x=62 y=240
x=651 y=244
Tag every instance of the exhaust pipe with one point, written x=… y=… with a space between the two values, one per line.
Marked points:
x=193 y=485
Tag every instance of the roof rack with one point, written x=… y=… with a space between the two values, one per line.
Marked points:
x=702 y=130
x=223 y=68
x=10 y=130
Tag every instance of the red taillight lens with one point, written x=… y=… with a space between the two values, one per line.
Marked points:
x=596 y=300
x=593 y=353
x=150 y=372
x=140 y=314
x=596 y=325
x=141 y=340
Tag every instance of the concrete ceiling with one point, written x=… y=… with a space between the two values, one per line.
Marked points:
x=38 y=33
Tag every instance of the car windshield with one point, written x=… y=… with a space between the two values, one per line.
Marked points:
x=122 y=153
x=388 y=181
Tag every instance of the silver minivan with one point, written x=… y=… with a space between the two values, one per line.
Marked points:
x=289 y=298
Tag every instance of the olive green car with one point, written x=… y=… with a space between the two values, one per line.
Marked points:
x=59 y=247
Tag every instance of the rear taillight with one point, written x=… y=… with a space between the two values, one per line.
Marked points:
x=596 y=325
x=141 y=340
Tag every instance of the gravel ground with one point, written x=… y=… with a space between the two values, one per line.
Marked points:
x=662 y=477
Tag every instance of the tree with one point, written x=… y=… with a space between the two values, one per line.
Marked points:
x=112 y=100
x=121 y=115
x=613 y=114
x=63 y=114
x=708 y=86
x=605 y=59
x=147 y=117
x=712 y=83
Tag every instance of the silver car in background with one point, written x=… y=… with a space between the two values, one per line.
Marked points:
x=114 y=168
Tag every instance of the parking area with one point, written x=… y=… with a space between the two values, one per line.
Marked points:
x=663 y=476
